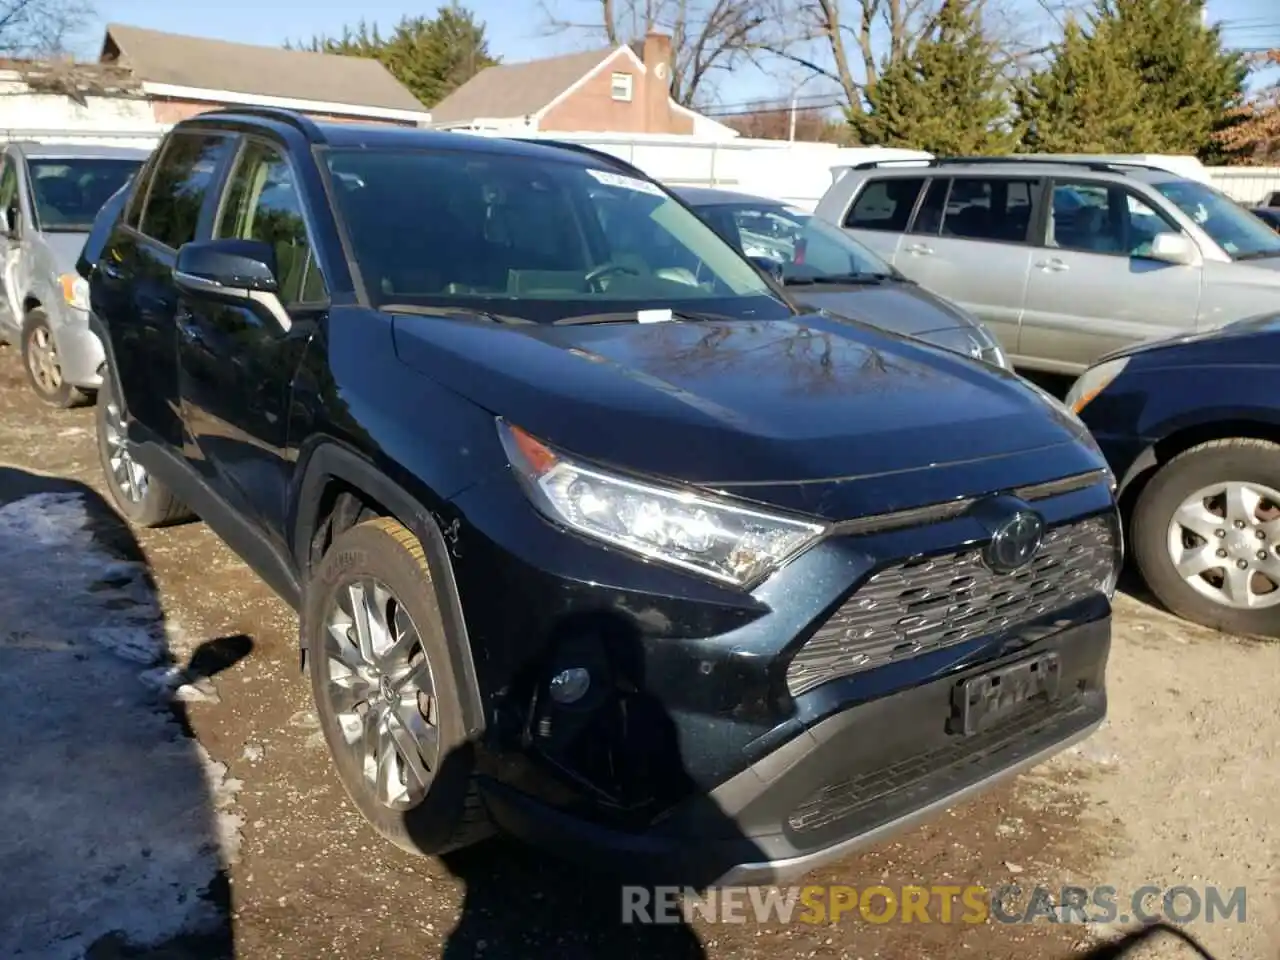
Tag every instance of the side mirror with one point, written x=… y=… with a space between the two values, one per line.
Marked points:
x=1175 y=248
x=231 y=269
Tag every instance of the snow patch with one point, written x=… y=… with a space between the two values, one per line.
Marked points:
x=114 y=821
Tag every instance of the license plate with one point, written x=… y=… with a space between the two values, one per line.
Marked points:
x=985 y=700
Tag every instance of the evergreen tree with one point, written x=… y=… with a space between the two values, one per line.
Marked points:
x=1146 y=76
x=431 y=56
x=1085 y=101
x=948 y=97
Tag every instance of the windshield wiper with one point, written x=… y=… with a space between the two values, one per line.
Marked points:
x=852 y=278
x=632 y=316
x=1258 y=254
x=454 y=312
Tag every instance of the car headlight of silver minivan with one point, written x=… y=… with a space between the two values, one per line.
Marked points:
x=696 y=531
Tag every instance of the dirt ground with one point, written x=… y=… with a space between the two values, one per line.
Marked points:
x=1179 y=787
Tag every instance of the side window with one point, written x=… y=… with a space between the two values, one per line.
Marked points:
x=9 y=185
x=262 y=202
x=142 y=183
x=885 y=204
x=1102 y=218
x=929 y=216
x=179 y=185
x=989 y=208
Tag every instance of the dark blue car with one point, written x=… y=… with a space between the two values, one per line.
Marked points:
x=1191 y=427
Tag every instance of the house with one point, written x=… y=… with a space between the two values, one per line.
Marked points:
x=625 y=90
x=181 y=76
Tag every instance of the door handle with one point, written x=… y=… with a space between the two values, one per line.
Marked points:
x=1053 y=265
x=920 y=249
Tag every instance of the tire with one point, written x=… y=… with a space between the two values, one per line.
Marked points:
x=432 y=814
x=40 y=361
x=1253 y=465
x=140 y=498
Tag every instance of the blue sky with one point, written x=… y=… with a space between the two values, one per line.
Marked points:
x=514 y=36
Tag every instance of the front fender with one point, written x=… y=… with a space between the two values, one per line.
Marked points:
x=328 y=460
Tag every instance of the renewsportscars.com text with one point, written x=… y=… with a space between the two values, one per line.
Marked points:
x=937 y=903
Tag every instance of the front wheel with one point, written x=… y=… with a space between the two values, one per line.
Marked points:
x=44 y=369
x=1206 y=535
x=385 y=692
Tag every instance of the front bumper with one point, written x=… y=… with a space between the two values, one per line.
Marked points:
x=80 y=353
x=847 y=781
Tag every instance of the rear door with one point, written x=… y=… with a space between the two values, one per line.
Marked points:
x=134 y=280
x=1092 y=288
x=881 y=212
x=969 y=243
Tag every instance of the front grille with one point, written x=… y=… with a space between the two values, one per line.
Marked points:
x=930 y=603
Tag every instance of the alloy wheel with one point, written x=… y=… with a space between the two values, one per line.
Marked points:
x=129 y=476
x=42 y=360
x=1224 y=541
x=381 y=690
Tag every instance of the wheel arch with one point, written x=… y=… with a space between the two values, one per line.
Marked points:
x=1183 y=438
x=332 y=470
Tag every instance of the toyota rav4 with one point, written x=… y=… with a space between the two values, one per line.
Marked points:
x=596 y=538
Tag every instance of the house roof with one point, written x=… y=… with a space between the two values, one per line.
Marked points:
x=517 y=89
x=201 y=63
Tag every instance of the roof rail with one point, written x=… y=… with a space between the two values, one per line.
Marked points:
x=1097 y=165
x=299 y=121
x=614 y=161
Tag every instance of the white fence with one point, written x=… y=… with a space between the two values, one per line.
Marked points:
x=1247 y=184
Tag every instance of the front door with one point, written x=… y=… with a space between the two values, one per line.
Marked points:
x=1092 y=288
x=236 y=359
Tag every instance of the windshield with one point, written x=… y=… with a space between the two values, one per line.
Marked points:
x=538 y=239
x=803 y=246
x=68 y=193
x=1234 y=229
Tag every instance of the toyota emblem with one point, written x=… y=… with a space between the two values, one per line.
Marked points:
x=1015 y=542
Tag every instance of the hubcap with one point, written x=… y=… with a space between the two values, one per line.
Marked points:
x=128 y=475
x=382 y=692
x=42 y=360
x=1223 y=541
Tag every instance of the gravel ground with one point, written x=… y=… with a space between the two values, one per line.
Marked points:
x=1179 y=787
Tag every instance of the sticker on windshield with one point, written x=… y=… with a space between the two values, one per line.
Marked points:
x=626 y=183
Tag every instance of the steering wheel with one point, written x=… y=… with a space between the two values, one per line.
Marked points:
x=593 y=278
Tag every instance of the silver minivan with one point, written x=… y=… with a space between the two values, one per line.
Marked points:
x=1064 y=261
x=49 y=196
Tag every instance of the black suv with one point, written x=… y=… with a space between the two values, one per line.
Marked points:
x=594 y=536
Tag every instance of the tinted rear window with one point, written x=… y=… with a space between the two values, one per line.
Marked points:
x=885 y=204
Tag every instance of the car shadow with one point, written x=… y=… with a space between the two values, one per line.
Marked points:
x=116 y=820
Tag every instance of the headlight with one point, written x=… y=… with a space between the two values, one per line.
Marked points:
x=973 y=342
x=75 y=290
x=720 y=539
x=1093 y=381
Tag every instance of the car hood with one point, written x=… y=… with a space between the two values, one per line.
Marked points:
x=65 y=249
x=1247 y=327
x=893 y=305
x=742 y=402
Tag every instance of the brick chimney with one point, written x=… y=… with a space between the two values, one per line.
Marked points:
x=657 y=83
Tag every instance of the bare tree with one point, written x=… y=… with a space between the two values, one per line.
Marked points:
x=849 y=43
x=40 y=28
x=708 y=37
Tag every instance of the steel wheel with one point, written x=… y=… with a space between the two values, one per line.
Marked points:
x=128 y=475
x=42 y=360
x=1223 y=541
x=382 y=692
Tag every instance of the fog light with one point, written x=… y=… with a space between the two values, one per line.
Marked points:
x=571 y=685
